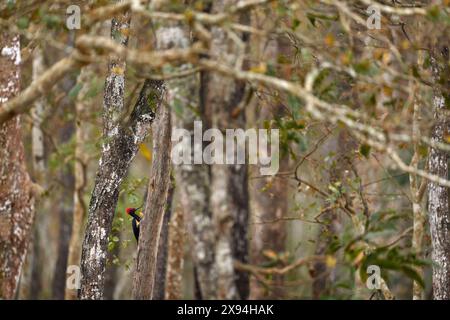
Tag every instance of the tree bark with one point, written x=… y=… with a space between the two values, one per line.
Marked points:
x=438 y=196
x=120 y=146
x=150 y=226
x=193 y=181
x=175 y=259
x=30 y=284
x=115 y=159
x=79 y=206
x=16 y=198
x=270 y=204
x=65 y=200
x=159 y=291
x=36 y=268
x=38 y=157
x=269 y=198
x=37 y=113
x=59 y=275
x=238 y=190
x=122 y=135
x=229 y=193
x=419 y=217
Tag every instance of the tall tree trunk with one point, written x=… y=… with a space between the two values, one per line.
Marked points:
x=229 y=193
x=270 y=204
x=419 y=217
x=119 y=149
x=16 y=198
x=151 y=224
x=438 y=196
x=30 y=284
x=121 y=138
x=37 y=113
x=65 y=199
x=65 y=225
x=192 y=181
x=238 y=190
x=269 y=198
x=79 y=206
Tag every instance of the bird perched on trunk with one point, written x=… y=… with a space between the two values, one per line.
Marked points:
x=137 y=216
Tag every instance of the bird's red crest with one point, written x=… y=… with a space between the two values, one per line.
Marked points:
x=130 y=210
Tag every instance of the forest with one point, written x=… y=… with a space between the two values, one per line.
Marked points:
x=224 y=150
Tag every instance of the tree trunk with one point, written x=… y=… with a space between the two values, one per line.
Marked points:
x=438 y=196
x=37 y=113
x=270 y=204
x=419 y=217
x=16 y=198
x=192 y=181
x=79 y=207
x=65 y=200
x=30 y=284
x=238 y=190
x=175 y=259
x=118 y=151
x=229 y=193
x=36 y=268
x=159 y=291
x=121 y=138
x=59 y=275
x=150 y=226
x=269 y=197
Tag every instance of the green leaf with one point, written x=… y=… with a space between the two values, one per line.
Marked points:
x=52 y=21
x=362 y=67
x=10 y=4
x=111 y=246
x=295 y=23
x=73 y=93
x=364 y=149
x=433 y=13
x=22 y=23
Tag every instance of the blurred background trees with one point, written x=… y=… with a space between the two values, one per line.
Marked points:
x=364 y=142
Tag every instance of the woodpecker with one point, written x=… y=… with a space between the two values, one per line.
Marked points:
x=135 y=222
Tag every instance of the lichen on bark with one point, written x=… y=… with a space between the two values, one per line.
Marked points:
x=438 y=196
x=16 y=196
x=122 y=135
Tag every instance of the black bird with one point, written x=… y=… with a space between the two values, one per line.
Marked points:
x=135 y=222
